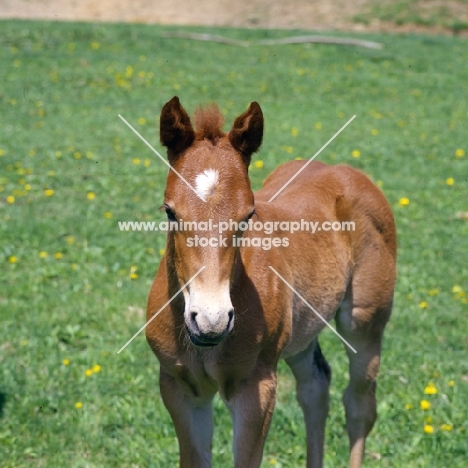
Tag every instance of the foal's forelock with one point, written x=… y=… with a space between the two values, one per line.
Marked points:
x=208 y=123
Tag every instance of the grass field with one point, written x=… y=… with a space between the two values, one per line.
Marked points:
x=451 y=15
x=73 y=287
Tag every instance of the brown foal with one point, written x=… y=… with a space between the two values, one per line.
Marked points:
x=227 y=329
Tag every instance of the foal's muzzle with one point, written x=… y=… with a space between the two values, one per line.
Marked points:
x=207 y=339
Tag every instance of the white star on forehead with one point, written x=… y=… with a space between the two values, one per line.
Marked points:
x=206 y=183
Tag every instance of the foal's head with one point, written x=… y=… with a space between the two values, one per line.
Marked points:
x=215 y=165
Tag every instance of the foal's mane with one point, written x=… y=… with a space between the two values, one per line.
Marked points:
x=208 y=123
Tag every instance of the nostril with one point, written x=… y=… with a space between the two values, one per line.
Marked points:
x=193 y=316
x=231 y=315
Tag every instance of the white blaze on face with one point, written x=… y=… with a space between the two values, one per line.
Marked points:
x=206 y=183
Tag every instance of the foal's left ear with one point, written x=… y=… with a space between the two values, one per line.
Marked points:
x=247 y=132
x=175 y=129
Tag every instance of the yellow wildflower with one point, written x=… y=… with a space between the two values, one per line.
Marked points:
x=428 y=429
x=66 y=362
x=356 y=154
x=430 y=389
x=404 y=201
x=258 y=164
x=133 y=274
x=78 y=405
x=425 y=405
x=91 y=196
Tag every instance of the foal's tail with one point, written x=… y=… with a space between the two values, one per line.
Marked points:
x=320 y=363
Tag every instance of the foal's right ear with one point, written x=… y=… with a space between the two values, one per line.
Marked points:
x=175 y=130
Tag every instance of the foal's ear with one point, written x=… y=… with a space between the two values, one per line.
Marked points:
x=247 y=132
x=175 y=130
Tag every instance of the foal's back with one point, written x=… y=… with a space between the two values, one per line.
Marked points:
x=340 y=192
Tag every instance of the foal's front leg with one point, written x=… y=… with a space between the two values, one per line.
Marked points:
x=193 y=421
x=251 y=409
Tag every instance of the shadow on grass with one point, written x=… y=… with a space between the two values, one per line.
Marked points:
x=2 y=402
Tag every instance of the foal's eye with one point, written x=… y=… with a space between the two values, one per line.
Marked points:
x=170 y=214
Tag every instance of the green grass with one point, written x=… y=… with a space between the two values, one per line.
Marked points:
x=450 y=15
x=62 y=88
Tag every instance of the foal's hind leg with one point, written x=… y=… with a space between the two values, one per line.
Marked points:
x=313 y=376
x=363 y=328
